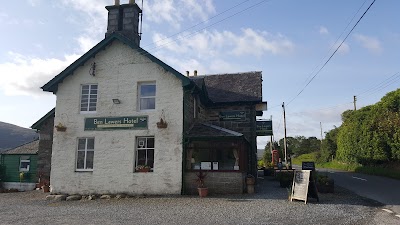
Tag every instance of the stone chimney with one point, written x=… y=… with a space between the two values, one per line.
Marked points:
x=124 y=19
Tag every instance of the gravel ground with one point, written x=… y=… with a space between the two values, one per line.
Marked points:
x=268 y=206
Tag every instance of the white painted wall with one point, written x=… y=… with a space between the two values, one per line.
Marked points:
x=118 y=71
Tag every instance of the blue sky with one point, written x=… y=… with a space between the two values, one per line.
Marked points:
x=285 y=39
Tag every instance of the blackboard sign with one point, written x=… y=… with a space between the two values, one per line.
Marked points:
x=308 y=166
x=301 y=180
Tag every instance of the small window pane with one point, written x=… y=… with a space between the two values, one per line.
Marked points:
x=150 y=158
x=90 y=144
x=81 y=144
x=141 y=143
x=81 y=160
x=147 y=90
x=147 y=103
x=89 y=159
x=142 y=157
x=150 y=143
x=25 y=165
x=94 y=86
x=85 y=87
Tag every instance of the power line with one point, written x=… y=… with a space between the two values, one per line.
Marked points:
x=333 y=53
x=385 y=83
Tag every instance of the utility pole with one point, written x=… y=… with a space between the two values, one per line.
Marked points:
x=355 y=100
x=284 y=140
x=320 y=125
x=270 y=145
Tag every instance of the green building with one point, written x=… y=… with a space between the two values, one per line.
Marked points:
x=18 y=167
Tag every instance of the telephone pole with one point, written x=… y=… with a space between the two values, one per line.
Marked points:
x=270 y=144
x=284 y=140
x=355 y=100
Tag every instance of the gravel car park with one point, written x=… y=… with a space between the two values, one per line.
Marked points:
x=269 y=205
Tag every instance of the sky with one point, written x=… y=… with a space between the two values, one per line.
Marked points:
x=288 y=40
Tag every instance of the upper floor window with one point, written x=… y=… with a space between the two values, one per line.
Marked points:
x=89 y=98
x=147 y=96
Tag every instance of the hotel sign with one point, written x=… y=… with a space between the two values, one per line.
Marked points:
x=116 y=123
x=232 y=116
x=264 y=128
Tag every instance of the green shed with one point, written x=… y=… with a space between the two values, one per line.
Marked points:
x=18 y=167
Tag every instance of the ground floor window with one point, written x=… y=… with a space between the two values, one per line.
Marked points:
x=144 y=153
x=213 y=159
x=85 y=154
x=24 y=163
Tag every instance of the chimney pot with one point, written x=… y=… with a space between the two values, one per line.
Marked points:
x=116 y=2
x=195 y=73
x=131 y=2
x=187 y=73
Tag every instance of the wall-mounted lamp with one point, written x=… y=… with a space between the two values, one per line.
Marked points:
x=116 y=101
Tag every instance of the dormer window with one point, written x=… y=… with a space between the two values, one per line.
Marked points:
x=147 y=96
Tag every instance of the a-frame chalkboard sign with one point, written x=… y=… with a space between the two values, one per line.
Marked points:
x=303 y=185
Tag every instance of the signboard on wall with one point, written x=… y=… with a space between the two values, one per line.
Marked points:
x=116 y=123
x=264 y=128
x=232 y=116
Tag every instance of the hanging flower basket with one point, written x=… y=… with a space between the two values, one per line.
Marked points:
x=60 y=127
x=162 y=124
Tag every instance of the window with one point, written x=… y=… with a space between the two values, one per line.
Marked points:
x=89 y=98
x=24 y=163
x=216 y=159
x=147 y=96
x=85 y=155
x=145 y=152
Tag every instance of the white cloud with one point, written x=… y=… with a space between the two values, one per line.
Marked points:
x=25 y=75
x=370 y=43
x=34 y=2
x=323 y=30
x=214 y=43
x=175 y=12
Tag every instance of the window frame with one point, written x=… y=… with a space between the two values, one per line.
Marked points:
x=141 y=149
x=85 y=169
x=24 y=160
x=88 y=98
x=140 y=97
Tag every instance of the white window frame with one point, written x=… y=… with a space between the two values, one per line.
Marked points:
x=86 y=111
x=86 y=151
x=142 y=149
x=146 y=97
x=26 y=160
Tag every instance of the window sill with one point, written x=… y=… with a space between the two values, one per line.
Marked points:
x=216 y=171
x=80 y=170
x=88 y=112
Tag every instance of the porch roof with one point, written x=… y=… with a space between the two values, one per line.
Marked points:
x=205 y=130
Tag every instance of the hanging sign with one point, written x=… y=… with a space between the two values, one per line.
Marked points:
x=264 y=128
x=308 y=166
x=116 y=123
x=232 y=116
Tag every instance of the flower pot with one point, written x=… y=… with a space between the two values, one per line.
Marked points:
x=250 y=180
x=46 y=188
x=143 y=170
x=203 y=192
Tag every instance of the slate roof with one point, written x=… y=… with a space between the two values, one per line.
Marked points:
x=231 y=88
x=205 y=130
x=38 y=124
x=28 y=148
x=52 y=85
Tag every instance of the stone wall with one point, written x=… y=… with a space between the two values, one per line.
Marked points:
x=45 y=149
x=119 y=69
x=217 y=182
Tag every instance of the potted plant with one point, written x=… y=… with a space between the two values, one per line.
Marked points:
x=60 y=127
x=203 y=191
x=162 y=124
x=142 y=168
x=46 y=186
